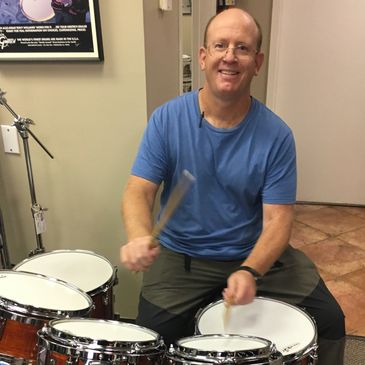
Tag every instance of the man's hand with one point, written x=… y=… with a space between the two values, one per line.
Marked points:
x=241 y=288
x=139 y=254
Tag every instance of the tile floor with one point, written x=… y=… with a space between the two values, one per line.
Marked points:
x=334 y=238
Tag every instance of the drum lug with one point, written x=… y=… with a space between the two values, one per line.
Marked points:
x=116 y=281
x=314 y=355
x=2 y=326
x=276 y=359
x=105 y=299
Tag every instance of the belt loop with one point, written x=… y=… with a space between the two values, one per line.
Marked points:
x=187 y=263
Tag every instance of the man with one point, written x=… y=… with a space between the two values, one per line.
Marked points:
x=234 y=224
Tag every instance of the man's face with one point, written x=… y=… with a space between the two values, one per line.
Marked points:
x=231 y=60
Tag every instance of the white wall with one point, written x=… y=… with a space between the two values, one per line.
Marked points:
x=261 y=10
x=162 y=53
x=202 y=11
x=91 y=117
x=317 y=84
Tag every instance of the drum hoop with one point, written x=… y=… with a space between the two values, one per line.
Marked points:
x=40 y=312
x=21 y=318
x=312 y=345
x=111 y=281
x=131 y=347
x=12 y=360
x=76 y=352
x=107 y=285
x=299 y=355
x=193 y=353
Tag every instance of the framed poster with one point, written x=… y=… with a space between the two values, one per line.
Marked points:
x=50 y=30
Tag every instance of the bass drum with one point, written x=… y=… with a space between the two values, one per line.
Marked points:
x=82 y=341
x=290 y=329
x=90 y=272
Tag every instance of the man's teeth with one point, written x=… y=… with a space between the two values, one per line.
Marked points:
x=226 y=72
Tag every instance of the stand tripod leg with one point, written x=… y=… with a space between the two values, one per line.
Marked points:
x=4 y=254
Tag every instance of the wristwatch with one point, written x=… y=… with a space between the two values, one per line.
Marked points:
x=256 y=275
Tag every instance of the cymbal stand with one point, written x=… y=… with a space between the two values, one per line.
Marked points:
x=4 y=253
x=21 y=125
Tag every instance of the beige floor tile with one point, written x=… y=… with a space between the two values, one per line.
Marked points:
x=304 y=235
x=356 y=237
x=358 y=332
x=339 y=258
x=326 y=276
x=305 y=208
x=331 y=220
x=356 y=278
x=336 y=257
x=352 y=302
x=359 y=211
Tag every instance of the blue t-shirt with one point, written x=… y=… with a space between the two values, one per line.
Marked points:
x=236 y=169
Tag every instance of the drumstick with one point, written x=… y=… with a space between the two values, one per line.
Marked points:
x=183 y=185
x=227 y=313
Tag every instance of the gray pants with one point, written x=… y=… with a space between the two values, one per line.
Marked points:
x=176 y=287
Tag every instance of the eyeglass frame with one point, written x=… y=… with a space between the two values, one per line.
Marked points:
x=224 y=51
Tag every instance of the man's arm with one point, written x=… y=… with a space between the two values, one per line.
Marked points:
x=274 y=239
x=137 y=206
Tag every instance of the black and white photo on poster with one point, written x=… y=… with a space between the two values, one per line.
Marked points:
x=42 y=30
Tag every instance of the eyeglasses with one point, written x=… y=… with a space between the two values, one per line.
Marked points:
x=221 y=49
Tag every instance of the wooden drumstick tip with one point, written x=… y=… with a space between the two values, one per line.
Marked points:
x=227 y=313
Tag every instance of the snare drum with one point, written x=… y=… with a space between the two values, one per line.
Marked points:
x=88 y=271
x=27 y=302
x=82 y=341
x=223 y=349
x=290 y=329
x=37 y=10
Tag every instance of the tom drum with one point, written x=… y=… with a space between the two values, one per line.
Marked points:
x=83 y=341
x=27 y=302
x=92 y=273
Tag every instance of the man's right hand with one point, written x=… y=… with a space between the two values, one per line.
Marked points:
x=140 y=253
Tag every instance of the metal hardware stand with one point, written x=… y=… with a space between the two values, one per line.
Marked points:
x=4 y=254
x=37 y=211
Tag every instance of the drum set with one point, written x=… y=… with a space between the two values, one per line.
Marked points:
x=52 y=313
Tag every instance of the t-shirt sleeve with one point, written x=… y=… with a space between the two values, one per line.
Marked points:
x=150 y=162
x=281 y=178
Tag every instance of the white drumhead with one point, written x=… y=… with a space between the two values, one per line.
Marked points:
x=84 y=269
x=222 y=343
x=37 y=10
x=41 y=292
x=286 y=326
x=104 y=330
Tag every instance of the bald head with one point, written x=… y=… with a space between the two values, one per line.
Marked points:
x=247 y=20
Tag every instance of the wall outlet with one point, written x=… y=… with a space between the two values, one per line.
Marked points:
x=10 y=139
x=166 y=5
